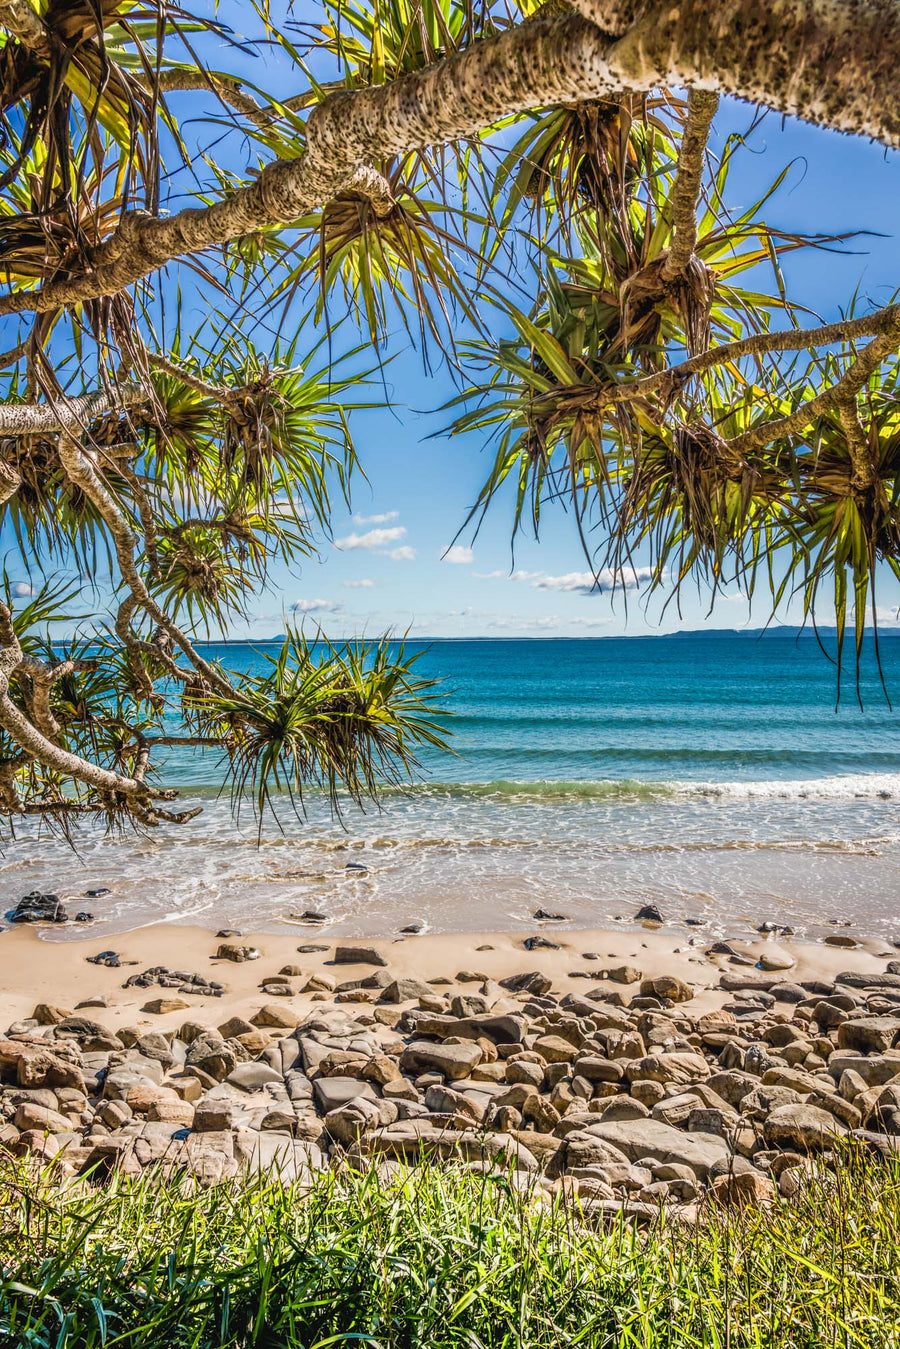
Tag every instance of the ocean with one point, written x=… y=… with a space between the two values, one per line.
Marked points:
x=707 y=773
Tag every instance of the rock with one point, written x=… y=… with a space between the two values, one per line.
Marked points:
x=597 y=1069
x=332 y=1092
x=555 y=1049
x=855 y=979
x=111 y=959
x=211 y=1055
x=162 y=1006
x=648 y=913
x=442 y=1100
x=651 y=1138
x=667 y=986
x=622 y=974
x=405 y=990
x=37 y=1066
x=803 y=1128
x=252 y=1076
x=212 y=1115
x=742 y=1188
x=358 y=955
x=38 y=908
x=349 y=1121
x=531 y=982
x=453 y=1061
x=276 y=1017
x=47 y=1015
x=176 y=1112
x=542 y=916
x=231 y=951
x=540 y=943
x=776 y=960
x=505 y=1029
x=31 y=1116
x=841 y=939
x=679 y=1068
x=733 y=981
x=869 y=1035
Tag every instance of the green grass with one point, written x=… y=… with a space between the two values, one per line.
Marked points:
x=443 y=1259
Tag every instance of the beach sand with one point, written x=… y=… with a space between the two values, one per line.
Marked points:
x=33 y=970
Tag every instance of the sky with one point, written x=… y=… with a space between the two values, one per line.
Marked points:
x=398 y=561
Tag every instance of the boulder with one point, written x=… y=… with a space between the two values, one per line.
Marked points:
x=668 y=987
x=453 y=1061
x=232 y=951
x=252 y=1076
x=869 y=1034
x=276 y=1016
x=506 y=1029
x=679 y=1068
x=405 y=990
x=651 y=1138
x=162 y=1006
x=333 y=1092
x=802 y=1128
x=358 y=955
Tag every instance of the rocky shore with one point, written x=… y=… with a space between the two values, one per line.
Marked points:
x=629 y=1089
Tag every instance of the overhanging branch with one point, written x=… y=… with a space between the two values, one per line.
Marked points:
x=825 y=62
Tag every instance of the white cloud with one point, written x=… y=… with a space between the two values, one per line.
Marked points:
x=22 y=589
x=364 y=583
x=373 y=538
x=375 y=519
x=737 y=597
x=458 y=554
x=886 y=616
x=404 y=554
x=591 y=583
x=315 y=606
x=507 y=575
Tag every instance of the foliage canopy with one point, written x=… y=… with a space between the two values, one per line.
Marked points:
x=440 y=174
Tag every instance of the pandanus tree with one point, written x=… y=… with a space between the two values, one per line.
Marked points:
x=466 y=167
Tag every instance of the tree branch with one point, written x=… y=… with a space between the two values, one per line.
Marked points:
x=68 y=414
x=702 y=105
x=843 y=391
x=841 y=64
x=757 y=344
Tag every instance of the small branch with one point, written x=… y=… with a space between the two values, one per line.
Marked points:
x=228 y=89
x=843 y=390
x=702 y=105
x=157 y=361
x=758 y=344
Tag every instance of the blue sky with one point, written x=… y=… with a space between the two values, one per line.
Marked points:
x=388 y=565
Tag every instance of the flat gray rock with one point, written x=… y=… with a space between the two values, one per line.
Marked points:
x=330 y=1092
x=639 y=1138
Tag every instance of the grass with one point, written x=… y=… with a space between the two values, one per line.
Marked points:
x=442 y=1259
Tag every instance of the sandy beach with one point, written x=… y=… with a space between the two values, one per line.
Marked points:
x=33 y=970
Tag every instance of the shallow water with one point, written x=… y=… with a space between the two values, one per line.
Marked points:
x=709 y=774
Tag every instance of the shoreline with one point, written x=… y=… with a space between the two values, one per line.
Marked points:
x=34 y=969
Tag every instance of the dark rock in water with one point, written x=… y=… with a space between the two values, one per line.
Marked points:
x=84 y=917
x=310 y=950
x=413 y=928
x=356 y=866
x=229 y=932
x=38 y=908
x=695 y=922
x=95 y=894
x=648 y=913
x=543 y=915
x=533 y=943
x=309 y=916
x=721 y=948
x=768 y=927
x=109 y=958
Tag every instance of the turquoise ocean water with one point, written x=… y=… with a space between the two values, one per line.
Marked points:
x=707 y=773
